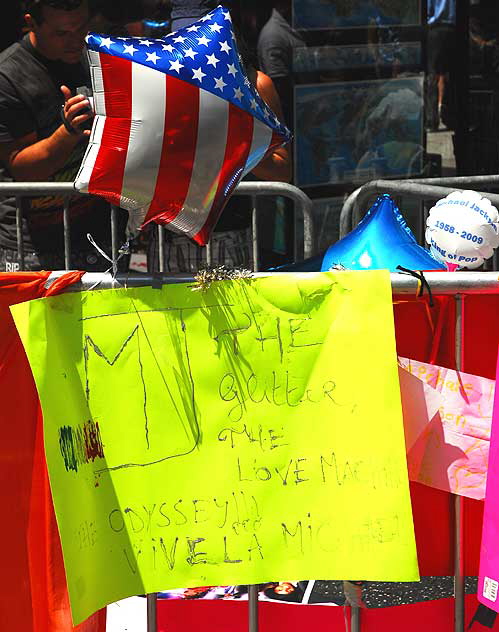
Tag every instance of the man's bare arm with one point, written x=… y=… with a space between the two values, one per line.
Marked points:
x=277 y=165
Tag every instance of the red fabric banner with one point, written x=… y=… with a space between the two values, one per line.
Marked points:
x=33 y=592
x=230 y=616
x=428 y=334
x=33 y=595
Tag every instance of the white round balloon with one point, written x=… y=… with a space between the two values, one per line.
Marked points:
x=463 y=228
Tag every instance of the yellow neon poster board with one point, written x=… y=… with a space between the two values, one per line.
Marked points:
x=238 y=435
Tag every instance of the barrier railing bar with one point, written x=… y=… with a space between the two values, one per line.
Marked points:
x=295 y=235
x=355 y=619
x=303 y=202
x=395 y=187
x=346 y=221
x=443 y=283
x=458 y=500
x=67 y=234
x=253 y=189
x=38 y=188
x=254 y=233
x=19 y=230
x=426 y=213
x=491 y=180
x=114 y=232
x=152 y=617
x=412 y=189
x=209 y=253
x=421 y=224
x=161 y=248
x=253 y=609
x=346 y=214
x=357 y=199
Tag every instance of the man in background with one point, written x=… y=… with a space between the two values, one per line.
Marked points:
x=275 y=47
x=185 y=12
x=44 y=130
x=275 y=53
x=441 y=51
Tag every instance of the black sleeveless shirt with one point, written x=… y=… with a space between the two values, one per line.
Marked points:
x=30 y=101
x=191 y=8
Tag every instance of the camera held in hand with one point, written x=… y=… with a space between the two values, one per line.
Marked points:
x=87 y=92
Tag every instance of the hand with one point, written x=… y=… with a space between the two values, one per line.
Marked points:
x=74 y=111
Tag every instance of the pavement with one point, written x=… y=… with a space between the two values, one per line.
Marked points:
x=384 y=595
x=440 y=142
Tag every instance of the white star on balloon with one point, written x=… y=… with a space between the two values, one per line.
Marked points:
x=232 y=70
x=193 y=28
x=180 y=39
x=215 y=28
x=168 y=47
x=198 y=74
x=176 y=65
x=220 y=83
x=224 y=47
x=238 y=93
x=203 y=41
x=106 y=41
x=212 y=60
x=152 y=57
x=145 y=43
x=129 y=49
x=190 y=53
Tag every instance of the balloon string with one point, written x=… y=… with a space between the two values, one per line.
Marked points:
x=422 y=283
x=437 y=336
x=122 y=251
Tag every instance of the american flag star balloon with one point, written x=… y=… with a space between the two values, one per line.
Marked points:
x=177 y=125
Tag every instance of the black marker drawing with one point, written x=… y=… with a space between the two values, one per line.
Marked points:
x=182 y=398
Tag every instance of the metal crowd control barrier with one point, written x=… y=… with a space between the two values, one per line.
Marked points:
x=66 y=190
x=457 y=285
x=454 y=284
x=423 y=189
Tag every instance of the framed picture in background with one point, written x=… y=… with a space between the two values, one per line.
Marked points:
x=357 y=131
x=341 y=14
x=336 y=59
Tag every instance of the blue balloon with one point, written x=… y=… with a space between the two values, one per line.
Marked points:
x=382 y=240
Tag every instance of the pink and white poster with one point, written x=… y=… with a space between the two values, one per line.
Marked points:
x=447 y=417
